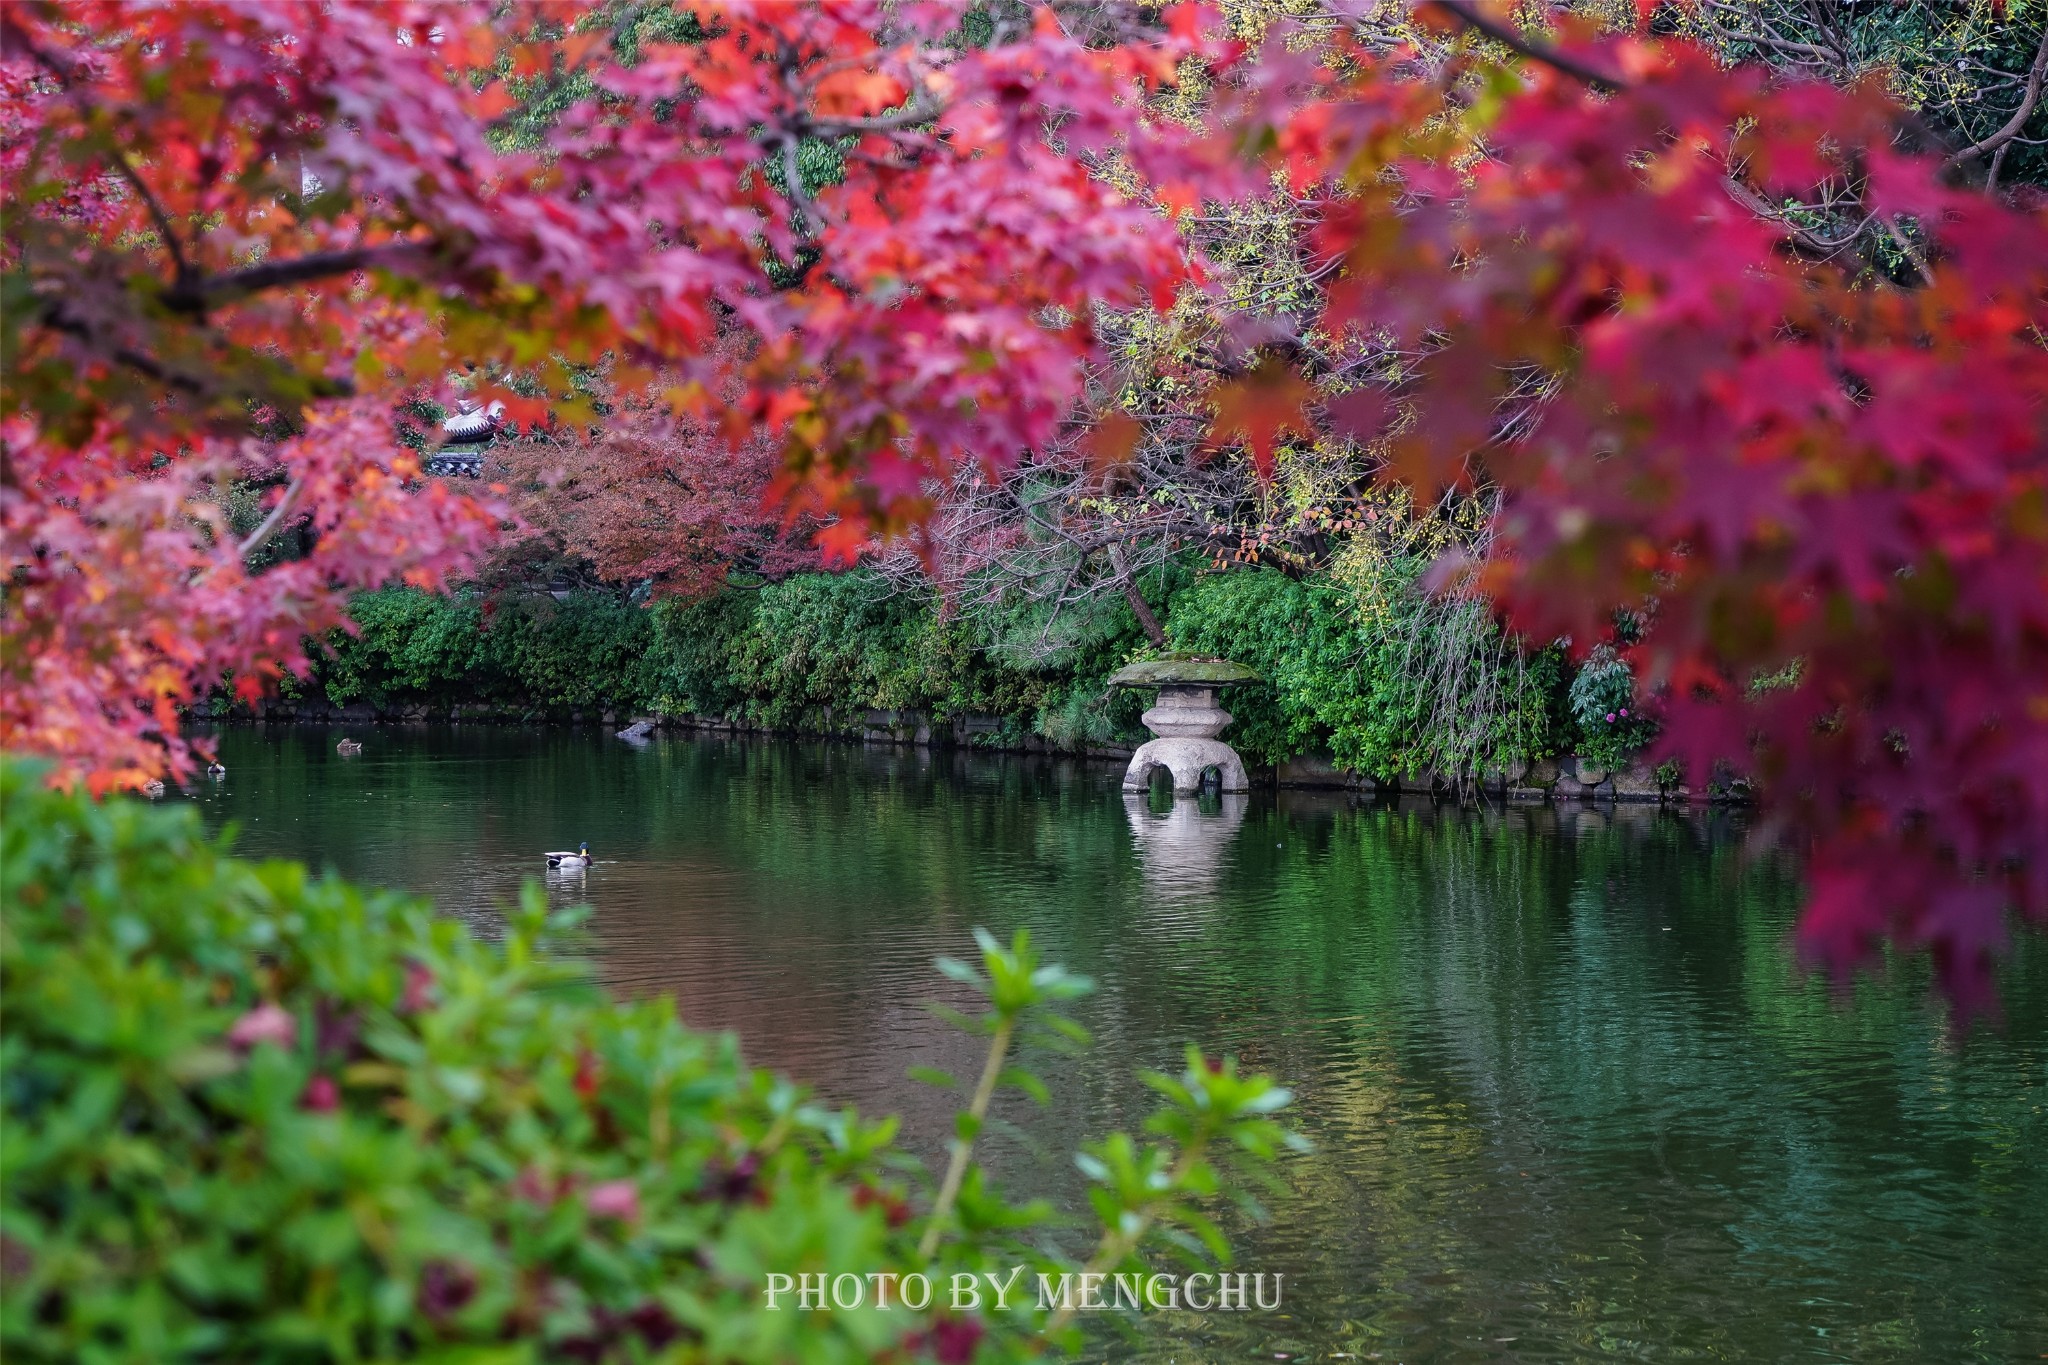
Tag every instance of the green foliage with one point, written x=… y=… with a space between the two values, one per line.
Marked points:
x=1214 y=1131
x=1362 y=663
x=1299 y=637
x=819 y=640
x=1611 y=725
x=1052 y=659
x=697 y=640
x=813 y=652
x=784 y=654
x=1357 y=661
x=527 y=652
x=255 y=1116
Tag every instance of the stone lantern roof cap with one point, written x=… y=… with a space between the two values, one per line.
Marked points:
x=1182 y=673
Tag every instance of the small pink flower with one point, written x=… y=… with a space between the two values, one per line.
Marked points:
x=419 y=989
x=267 y=1023
x=535 y=1188
x=322 y=1095
x=1610 y=718
x=1624 y=714
x=613 y=1199
x=952 y=1340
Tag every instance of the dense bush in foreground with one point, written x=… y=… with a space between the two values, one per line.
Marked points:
x=253 y=1116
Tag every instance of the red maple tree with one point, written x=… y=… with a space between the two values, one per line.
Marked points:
x=1817 y=477
x=655 y=500
x=1817 y=474
x=226 y=219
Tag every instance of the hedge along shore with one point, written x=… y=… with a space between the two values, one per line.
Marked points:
x=842 y=656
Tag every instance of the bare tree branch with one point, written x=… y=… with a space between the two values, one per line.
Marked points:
x=260 y=537
x=1141 y=609
x=2012 y=126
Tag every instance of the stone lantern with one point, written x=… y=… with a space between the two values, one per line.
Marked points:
x=1185 y=721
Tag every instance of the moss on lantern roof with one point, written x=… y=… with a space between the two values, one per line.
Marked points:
x=1181 y=673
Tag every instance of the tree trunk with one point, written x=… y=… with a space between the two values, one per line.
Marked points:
x=1146 y=620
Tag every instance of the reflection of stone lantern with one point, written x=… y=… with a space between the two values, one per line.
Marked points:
x=1185 y=722
x=1181 y=850
x=465 y=436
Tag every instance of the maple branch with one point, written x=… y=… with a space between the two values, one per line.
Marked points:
x=1766 y=38
x=2012 y=126
x=180 y=267
x=1507 y=35
x=1812 y=241
x=919 y=112
x=198 y=295
x=1917 y=258
x=63 y=72
x=58 y=320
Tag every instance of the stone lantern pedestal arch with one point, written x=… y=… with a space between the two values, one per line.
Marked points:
x=1185 y=722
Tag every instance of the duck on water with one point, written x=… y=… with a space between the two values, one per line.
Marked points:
x=580 y=858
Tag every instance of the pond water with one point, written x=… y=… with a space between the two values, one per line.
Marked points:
x=1569 y=1095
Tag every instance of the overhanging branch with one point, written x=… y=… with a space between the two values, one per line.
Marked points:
x=204 y=293
x=1509 y=36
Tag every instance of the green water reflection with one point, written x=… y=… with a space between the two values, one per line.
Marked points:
x=1569 y=1095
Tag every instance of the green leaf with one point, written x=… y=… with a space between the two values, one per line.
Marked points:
x=1027 y=1082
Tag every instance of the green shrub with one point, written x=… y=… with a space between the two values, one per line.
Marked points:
x=528 y=651
x=408 y=643
x=1361 y=663
x=1297 y=635
x=782 y=654
x=1609 y=718
x=694 y=644
x=252 y=1116
x=255 y=1116
x=1356 y=660
x=846 y=641
x=1447 y=691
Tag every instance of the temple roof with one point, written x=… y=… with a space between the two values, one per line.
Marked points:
x=472 y=422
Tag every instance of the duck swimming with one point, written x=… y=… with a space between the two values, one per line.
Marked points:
x=580 y=858
x=348 y=747
x=216 y=769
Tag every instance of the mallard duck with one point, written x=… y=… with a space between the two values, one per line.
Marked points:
x=153 y=789
x=216 y=769
x=348 y=748
x=580 y=858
